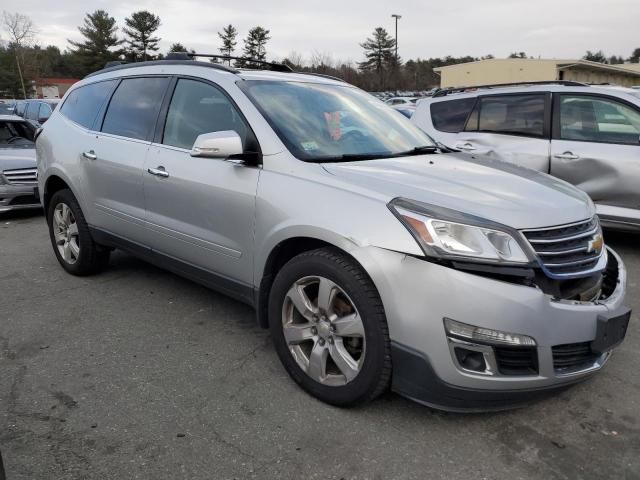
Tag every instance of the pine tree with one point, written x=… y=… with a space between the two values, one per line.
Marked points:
x=379 y=53
x=635 y=56
x=254 y=47
x=98 y=48
x=140 y=29
x=229 y=42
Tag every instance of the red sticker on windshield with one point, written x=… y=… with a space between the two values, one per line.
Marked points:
x=333 y=123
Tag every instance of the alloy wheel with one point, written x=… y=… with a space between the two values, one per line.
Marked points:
x=65 y=231
x=323 y=331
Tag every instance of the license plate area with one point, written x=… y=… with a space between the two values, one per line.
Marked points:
x=611 y=331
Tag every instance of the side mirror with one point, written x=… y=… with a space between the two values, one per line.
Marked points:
x=217 y=145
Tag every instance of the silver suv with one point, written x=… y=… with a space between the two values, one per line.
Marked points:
x=375 y=261
x=586 y=135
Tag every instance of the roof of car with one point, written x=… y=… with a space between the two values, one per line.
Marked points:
x=247 y=74
x=11 y=118
x=518 y=88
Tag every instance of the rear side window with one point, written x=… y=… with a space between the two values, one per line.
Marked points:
x=198 y=108
x=82 y=104
x=450 y=116
x=44 y=112
x=512 y=114
x=134 y=107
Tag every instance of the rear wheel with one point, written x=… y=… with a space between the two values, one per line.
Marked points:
x=329 y=328
x=70 y=237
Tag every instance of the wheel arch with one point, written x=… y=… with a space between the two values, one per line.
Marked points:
x=55 y=181
x=279 y=255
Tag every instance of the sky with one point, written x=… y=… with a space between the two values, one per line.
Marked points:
x=541 y=28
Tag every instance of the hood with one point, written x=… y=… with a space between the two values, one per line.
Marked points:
x=491 y=189
x=11 y=158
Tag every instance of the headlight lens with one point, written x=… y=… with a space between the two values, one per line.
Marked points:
x=445 y=238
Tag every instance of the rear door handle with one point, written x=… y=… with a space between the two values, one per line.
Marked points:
x=567 y=156
x=91 y=155
x=465 y=146
x=159 y=172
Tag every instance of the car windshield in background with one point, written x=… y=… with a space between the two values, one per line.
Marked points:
x=320 y=122
x=15 y=134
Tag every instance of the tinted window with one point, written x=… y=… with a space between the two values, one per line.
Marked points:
x=594 y=119
x=82 y=104
x=450 y=116
x=134 y=107
x=15 y=134
x=514 y=114
x=197 y=108
x=20 y=108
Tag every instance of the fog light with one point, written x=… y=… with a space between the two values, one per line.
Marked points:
x=486 y=335
x=470 y=360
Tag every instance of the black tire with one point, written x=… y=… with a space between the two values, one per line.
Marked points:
x=375 y=373
x=92 y=257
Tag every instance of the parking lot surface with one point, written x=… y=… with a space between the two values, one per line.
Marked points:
x=138 y=373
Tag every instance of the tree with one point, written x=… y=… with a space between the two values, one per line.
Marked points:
x=229 y=42
x=99 y=30
x=255 y=47
x=598 y=56
x=21 y=32
x=615 y=60
x=379 y=53
x=518 y=55
x=140 y=27
x=177 y=47
x=635 y=56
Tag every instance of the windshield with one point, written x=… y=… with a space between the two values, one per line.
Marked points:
x=15 y=134
x=320 y=122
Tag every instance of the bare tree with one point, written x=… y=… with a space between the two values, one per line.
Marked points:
x=21 y=34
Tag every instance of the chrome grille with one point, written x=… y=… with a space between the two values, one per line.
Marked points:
x=23 y=176
x=568 y=250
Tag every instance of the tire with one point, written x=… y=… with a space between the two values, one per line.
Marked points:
x=352 y=296
x=80 y=255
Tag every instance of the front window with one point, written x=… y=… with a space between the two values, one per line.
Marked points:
x=320 y=122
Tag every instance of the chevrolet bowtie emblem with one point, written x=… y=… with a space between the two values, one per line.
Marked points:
x=595 y=244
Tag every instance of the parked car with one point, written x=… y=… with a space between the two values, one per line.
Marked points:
x=36 y=112
x=406 y=110
x=7 y=107
x=374 y=260
x=18 y=182
x=586 y=135
x=393 y=101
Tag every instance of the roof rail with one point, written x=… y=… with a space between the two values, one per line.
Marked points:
x=446 y=91
x=276 y=67
x=330 y=77
x=149 y=63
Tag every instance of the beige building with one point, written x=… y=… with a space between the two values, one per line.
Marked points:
x=509 y=70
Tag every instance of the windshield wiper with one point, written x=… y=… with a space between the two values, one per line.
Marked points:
x=351 y=157
x=423 y=150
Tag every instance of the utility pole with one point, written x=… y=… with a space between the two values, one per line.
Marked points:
x=397 y=17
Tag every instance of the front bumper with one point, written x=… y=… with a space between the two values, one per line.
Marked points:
x=418 y=295
x=18 y=197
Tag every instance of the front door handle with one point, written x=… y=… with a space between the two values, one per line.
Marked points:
x=158 y=172
x=465 y=146
x=91 y=155
x=567 y=156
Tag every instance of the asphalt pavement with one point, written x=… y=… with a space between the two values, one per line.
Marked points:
x=139 y=374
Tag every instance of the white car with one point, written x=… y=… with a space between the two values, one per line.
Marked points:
x=395 y=101
x=586 y=135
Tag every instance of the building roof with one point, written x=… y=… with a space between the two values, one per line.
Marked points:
x=561 y=64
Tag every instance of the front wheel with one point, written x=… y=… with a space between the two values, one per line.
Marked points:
x=329 y=328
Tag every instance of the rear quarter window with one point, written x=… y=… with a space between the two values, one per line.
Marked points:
x=83 y=104
x=450 y=116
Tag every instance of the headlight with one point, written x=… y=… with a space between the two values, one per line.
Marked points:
x=444 y=237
